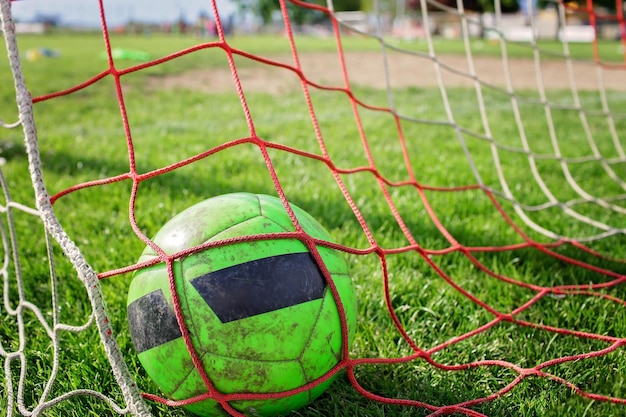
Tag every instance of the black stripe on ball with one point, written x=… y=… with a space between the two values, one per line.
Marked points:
x=152 y=321
x=261 y=286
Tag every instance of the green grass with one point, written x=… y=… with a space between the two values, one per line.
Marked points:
x=82 y=139
x=85 y=50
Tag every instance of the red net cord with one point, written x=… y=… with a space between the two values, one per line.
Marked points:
x=419 y=190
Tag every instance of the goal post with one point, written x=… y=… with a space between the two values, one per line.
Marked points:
x=470 y=166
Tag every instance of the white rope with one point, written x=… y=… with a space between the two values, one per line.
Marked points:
x=9 y=125
x=132 y=396
x=572 y=208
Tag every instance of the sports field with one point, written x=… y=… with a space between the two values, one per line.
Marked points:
x=187 y=106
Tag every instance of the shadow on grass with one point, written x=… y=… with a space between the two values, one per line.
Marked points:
x=414 y=381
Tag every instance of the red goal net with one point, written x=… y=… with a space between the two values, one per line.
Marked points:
x=471 y=167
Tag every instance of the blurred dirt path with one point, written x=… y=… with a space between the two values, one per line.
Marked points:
x=370 y=69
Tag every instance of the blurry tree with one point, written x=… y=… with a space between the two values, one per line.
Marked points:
x=265 y=9
x=481 y=6
x=510 y=6
x=507 y=6
x=610 y=5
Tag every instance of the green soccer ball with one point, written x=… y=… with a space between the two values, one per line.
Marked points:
x=260 y=314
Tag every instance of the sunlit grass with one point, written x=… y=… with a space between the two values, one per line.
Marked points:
x=82 y=139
